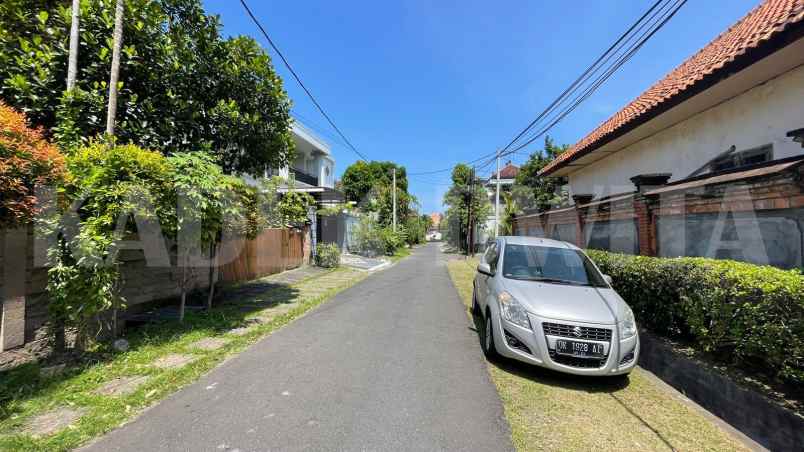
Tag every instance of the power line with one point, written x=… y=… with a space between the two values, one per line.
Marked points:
x=625 y=56
x=421 y=173
x=580 y=81
x=582 y=78
x=605 y=76
x=298 y=80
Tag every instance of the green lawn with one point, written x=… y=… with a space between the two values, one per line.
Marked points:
x=24 y=395
x=557 y=412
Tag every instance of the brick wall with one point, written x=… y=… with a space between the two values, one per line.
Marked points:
x=700 y=217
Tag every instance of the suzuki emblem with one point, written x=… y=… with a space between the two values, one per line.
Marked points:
x=577 y=331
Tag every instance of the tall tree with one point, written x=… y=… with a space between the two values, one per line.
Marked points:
x=114 y=75
x=544 y=191
x=184 y=88
x=72 y=65
x=362 y=177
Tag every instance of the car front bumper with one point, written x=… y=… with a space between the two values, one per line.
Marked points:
x=536 y=347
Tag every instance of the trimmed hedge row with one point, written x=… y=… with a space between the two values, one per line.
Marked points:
x=751 y=315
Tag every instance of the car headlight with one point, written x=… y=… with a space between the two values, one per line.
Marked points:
x=512 y=311
x=627 y=325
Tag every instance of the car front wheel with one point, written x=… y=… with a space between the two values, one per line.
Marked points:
x=488 y=338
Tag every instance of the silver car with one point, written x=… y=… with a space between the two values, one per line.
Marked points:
x=544 y=302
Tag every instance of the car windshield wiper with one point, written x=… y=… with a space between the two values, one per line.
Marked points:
x=557 y=281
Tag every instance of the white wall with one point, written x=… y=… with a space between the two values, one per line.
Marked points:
x=757 y=117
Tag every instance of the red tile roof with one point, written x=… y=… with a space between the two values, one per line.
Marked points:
x=509 y=171
x=757 y=27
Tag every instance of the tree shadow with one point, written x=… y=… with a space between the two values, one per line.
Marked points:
x=589 y=384
x=151 y=328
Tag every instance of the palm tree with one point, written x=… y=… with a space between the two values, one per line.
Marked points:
x=509 y=213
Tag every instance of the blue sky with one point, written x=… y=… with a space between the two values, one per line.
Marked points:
x=432 y=83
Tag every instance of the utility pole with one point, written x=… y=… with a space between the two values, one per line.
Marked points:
x=394 y=187
x=72 y=63
x=117 y=43
x=470 y=229
x=497 y=201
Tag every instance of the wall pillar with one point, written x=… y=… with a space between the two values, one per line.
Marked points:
x=646 y=226
x=12 y=324
x=579 y=200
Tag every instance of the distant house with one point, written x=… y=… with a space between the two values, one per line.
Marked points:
x=313 y=169
x=508 y=175
x=312 y=172
x=706 y=162
x=436 y=218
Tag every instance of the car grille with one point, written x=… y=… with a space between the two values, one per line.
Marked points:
x=572 y=361
x=588 y=333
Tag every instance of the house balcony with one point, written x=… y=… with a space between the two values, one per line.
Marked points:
x=304 y=177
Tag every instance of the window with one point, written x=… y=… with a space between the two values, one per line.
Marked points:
x=748 y=157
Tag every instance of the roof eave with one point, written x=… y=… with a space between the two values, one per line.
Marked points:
x=780 y=40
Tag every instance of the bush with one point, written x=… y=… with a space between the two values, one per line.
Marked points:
x=752 y=316
x=392 y=240
x=367 y=238
x=327 y=255
x=26 y=160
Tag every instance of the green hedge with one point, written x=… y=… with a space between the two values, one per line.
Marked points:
x=327 y=255
x=749 y=315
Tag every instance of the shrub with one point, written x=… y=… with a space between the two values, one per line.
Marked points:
x=110 y=184
x=327 y=255
x=392 y=240
x=26 y=160
x=367 y=238
x=751 y=315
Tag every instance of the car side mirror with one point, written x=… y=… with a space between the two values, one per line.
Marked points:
x=484 y=268
x=608 y=279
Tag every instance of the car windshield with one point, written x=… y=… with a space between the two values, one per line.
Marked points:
x=550 y=265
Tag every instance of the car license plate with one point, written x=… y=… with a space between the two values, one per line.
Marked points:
x=581 y=349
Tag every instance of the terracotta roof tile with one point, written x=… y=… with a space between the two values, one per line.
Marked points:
x=762 y=23
x=509 y=171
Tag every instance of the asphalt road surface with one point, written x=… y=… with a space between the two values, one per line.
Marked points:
x=390 y=364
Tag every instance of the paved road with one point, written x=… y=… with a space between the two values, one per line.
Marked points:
x=389 y=364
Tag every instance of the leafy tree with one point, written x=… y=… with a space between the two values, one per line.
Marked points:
x=544 y=190
x=203 y=201
x=467 y=203
x=26 y=160
x=361 y=177
x=183 y=88
x=382 y=202
x=112 y=189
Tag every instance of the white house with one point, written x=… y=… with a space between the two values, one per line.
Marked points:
x=706 y=162
x=507 y=177
x=313 y=165
x=731 y=104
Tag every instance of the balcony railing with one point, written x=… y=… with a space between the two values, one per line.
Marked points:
x=304 y=177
